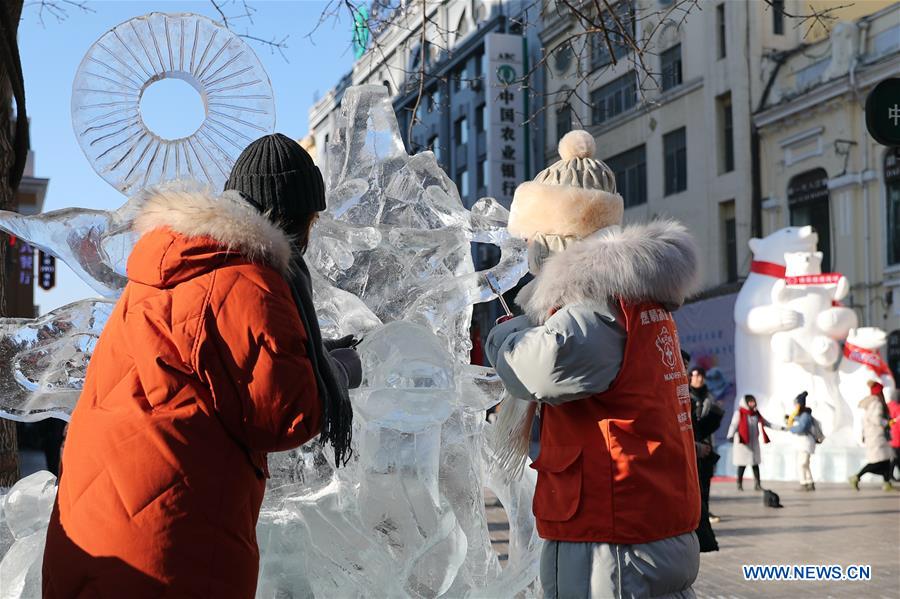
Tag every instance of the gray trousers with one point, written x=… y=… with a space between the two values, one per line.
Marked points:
x=665 y=568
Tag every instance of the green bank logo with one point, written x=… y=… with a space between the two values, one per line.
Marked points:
x=506 y=74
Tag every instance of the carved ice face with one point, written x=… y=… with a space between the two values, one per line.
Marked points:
x=803 y=263
x=772 y=248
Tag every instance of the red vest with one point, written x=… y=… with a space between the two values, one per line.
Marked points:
x=619 y=467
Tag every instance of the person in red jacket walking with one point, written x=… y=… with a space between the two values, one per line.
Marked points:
x=211 y=359
x=894 y=410
x=617 y=498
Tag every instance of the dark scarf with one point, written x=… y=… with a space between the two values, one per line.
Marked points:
x=337 y=413
x=744 y=426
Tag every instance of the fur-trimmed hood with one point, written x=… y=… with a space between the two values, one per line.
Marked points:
x=229 y=221
x=656 y=261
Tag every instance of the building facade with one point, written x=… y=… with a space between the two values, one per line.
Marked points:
x=470 y=109
x=676 y=123
x=821 y=167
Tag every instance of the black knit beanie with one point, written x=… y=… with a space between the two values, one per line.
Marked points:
x=279 y=177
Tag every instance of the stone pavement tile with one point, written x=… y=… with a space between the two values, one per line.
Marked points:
x=833 y=525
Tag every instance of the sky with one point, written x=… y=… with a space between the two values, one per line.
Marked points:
x=52 y=51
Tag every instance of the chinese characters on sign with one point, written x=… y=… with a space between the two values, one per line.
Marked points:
x=505 y=143
x=26 y=263
x=46 y=271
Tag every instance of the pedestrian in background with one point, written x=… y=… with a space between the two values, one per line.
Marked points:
x=747 y=426
x=800 y=424
x=894 y=411
x=875 y=437
x=706 y=417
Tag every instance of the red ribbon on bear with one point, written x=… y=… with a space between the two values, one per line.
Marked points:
x=867 y=357
x=770 y=269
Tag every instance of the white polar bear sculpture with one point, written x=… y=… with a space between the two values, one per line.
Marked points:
x=757 y=317
x=806 y=356
x=807 y=291
x=862 y=362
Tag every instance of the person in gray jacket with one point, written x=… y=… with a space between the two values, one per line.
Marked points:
x=598 y=351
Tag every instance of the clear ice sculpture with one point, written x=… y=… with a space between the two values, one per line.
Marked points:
x=43 y=361
x=390 y=261
x=116 y=71
x=25 y=511
x=406 y=516
x=95 y=244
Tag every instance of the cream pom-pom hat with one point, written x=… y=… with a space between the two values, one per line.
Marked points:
x=572 y=198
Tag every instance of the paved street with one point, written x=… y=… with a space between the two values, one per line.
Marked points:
x=833 y=525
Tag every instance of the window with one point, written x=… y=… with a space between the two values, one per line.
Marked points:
x=671 y=67
x=480 y=124
x=726 y=135
x=808 y=200
x=562 y=58
x=462 y=28
x=675 y=150
x=462 y=76
x=461 y=131
x=563 y=121
x=778 y=17
x=892 y=192
x=614 y=98
x=630 y=169
x=434 y=144
x=600 y=56
x=720 y=29
x=462 y=182
x=729 y=240
x=434 y=100
x=482 y=175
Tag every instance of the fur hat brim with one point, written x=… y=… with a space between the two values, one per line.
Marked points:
x=562 y=210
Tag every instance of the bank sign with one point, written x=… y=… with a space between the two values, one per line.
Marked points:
x=505 y=101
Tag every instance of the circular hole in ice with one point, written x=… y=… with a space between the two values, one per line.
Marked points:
x=172 y=108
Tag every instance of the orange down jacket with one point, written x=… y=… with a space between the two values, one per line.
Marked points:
x=201 y=370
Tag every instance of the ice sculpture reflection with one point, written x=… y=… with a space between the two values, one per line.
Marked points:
x=391 y=261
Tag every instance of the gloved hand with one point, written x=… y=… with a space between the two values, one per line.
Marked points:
x=499 y=334
x=349 y=360
x=345 y=341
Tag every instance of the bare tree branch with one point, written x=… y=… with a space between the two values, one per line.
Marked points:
x=593 y=21
x=243 y=11
x=58 y=9
x=423 y=56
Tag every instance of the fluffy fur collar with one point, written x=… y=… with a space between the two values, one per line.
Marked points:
x=656 y=261
x=227 y=219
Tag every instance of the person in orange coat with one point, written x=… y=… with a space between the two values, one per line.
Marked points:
x=211 y=359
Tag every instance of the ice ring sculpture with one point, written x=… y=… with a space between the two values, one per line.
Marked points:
x=120 y=66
